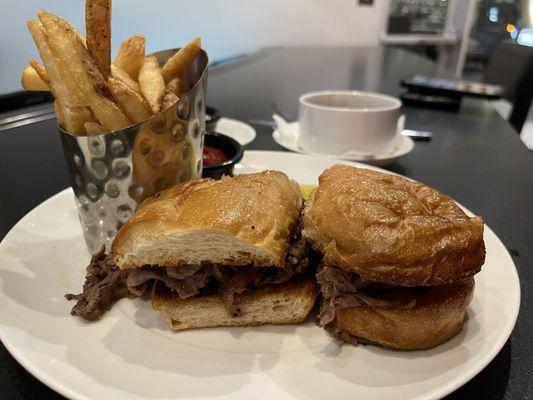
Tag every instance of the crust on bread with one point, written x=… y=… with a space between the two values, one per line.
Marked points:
x=233 y=221
x=287 y=303
x=438 y=316
x=391 y=230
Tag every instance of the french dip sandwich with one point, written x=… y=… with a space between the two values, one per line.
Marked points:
x=398 y=258
x=210 y=253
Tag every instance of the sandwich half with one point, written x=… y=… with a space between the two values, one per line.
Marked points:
x=220 y=253
x=210 y=253
x=398 y=258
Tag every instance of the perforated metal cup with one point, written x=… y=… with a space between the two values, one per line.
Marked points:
x=111 y=174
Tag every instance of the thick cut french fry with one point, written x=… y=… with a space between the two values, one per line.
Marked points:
x=93 y=128
x=174 y=86
x=118 y=73
x=169 y=99
x=31 y=80
x=58 y=109
x=66 y=46
x=40 y=70
x=130 y=57
x=75 y=119
x=82 y=38
x=133 y=104
x=180 y=62
x=98 y=26
x=152 y=83
x=61 y=83
x=72 y=119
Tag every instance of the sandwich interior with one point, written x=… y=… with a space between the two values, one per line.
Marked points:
x=106 y=283
x=357 y=310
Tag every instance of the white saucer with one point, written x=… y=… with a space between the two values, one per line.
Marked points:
x=403 y=145
x=238 y=130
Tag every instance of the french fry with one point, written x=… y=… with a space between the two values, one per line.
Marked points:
x=174 y=86
x=152 y=83
x=70 y=107
x=93 y=128
x=68 y=48
x=92 y=95
x=82 y=38
x=40 y=70
x=180 y=62
x=98 y=26
x=72 y=119
x=31 y=80
x=75 y=119
x=133 y=104
x=130 y=57
x=169 y=99
x=61 y=83
x=118 y=73
x=58 y=109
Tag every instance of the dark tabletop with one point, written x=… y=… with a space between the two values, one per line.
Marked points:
x=475 y=157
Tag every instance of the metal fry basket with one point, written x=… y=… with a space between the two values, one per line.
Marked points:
x=112 y=173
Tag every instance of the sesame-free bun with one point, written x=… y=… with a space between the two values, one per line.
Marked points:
x=242 y=220
x=439 y=315
x=287 y=303
x=391 y=230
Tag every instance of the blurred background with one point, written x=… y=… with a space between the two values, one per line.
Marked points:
x=481 y=40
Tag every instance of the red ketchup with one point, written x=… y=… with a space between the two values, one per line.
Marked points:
x=213 y=156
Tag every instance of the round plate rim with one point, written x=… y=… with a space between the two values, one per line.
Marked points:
x=438 y=393
x=454 y=385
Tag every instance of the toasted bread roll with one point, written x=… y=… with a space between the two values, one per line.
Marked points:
x=391 y=230
x=438 y=316
x=288 y=303
x=234 y=221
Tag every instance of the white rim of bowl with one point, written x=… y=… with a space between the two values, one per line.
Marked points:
x=396 y=104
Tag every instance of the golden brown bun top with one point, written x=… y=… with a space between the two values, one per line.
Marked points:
x=236 y=221
x=391 y=230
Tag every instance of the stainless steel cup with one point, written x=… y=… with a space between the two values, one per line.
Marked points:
x=112 y=173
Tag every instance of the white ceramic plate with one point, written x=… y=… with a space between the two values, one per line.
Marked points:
x=129 y=354
x=238 y=130
x=403 y=145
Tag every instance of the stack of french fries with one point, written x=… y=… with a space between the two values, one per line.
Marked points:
x=92 y=94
